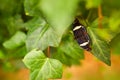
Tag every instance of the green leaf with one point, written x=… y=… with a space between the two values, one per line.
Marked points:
x=2 y=56
x=105 y=32
x=93 y=3
x=14 y=23
x=32 y=7
x=19 y=53
x=111 y=5
x=114 y=21
x=115 y=44
x=100 y=48
x=69 y=52
x=41 y=35
x=42 y=68
x=58 y=13
x=15 y=41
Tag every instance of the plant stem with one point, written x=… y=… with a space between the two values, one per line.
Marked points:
x=48 y=51
x=100 y=17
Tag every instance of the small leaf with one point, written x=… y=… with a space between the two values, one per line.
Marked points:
x=41 y=35
x=100 y=48
x=42 y=68
x=15 y=41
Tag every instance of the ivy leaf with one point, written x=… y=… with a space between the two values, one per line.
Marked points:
x=69 y=52
x=106 y=33
x=41 y=35
x=42 y=68
x=59 y=14
x=15 y=41
x=100 y=48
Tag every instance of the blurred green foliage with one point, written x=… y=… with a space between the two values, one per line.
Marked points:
x=26 y=25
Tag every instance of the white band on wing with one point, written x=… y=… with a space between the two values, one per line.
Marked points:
x=77 y=27
x=84 y=44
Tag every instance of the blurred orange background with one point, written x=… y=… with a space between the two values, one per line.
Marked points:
x=90 y=69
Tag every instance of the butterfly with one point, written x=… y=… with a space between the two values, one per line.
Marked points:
x=81 y=35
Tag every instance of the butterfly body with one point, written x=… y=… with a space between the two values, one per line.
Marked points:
x=81 y=35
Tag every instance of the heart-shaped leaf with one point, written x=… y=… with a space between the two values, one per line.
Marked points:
x=42 y=68
x=100 y=48
x=41 y=35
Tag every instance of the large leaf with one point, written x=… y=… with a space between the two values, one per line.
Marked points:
x=41 y=35
x=100 y=48
x=69 y=52
x=58 y=13
x=42 y=68
x=15 y=41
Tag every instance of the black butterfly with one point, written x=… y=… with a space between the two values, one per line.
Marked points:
x=81 y=35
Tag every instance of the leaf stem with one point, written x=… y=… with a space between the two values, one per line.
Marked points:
x=100 y=17
x=48 y=51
